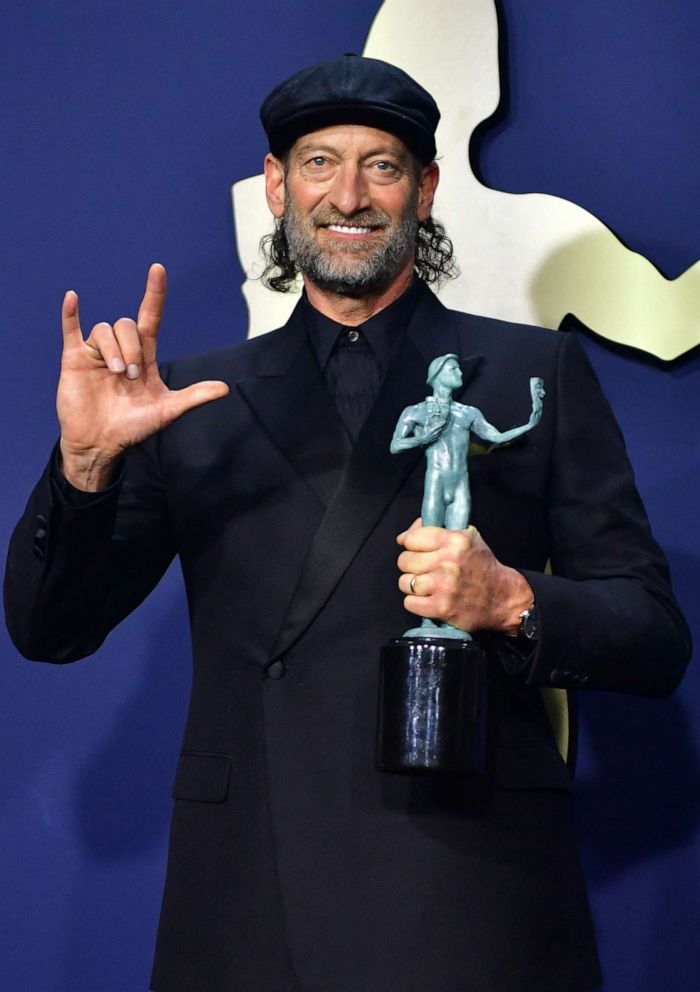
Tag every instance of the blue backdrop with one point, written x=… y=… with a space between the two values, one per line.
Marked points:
x=122 y=126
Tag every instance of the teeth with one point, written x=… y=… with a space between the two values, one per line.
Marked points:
x=342 y=229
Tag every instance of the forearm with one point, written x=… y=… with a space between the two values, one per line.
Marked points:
x=489 y=433
x=74 y=571
x=616 y=634
x=608 y=618
x=406 y=443
x=53 y=573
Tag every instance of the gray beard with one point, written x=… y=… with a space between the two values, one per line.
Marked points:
x=344 y=272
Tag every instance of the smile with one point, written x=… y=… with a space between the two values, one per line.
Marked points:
x=344 y=229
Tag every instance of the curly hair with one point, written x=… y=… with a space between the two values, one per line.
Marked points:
x=434 y=258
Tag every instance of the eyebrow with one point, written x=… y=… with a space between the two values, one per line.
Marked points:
x=379 y=150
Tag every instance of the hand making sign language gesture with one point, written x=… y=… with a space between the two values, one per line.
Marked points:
x=110 y=393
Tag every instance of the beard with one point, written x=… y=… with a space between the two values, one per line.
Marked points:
x=350 y=268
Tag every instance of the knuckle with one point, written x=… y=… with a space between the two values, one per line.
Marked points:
x=450 y=568
x=438 y=582
x=124 y=324
x=101 y=337
x=129 y=341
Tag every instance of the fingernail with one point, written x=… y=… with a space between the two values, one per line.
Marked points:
x=132 y=371
x=116 y=364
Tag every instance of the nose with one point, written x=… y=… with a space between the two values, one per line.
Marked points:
x=349 y=192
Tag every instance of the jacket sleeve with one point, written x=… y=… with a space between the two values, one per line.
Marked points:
x=608 y=618
x=75 y=569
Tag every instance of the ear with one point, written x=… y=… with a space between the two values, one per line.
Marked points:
x=274 y=184
x=427 y=184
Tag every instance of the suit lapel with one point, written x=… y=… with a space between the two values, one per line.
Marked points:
x=372 y=476
x=295 y=409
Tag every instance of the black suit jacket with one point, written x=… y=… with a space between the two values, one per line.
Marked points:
x=294 y=865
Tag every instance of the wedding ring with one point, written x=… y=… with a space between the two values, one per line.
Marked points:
x=412 y=584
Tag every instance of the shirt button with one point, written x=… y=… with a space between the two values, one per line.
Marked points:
x=353 y=335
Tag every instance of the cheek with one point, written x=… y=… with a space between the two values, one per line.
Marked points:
x=304 y=198
x=393 y=200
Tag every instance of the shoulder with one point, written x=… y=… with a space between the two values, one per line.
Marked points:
x=490 y=334
x=462 y=411
x=415 y=410
x=493 y=339
x=246 y=359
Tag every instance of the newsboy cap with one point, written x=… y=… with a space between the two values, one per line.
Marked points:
x=437 y=365
x=351 y=89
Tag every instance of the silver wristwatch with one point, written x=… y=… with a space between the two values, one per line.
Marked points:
x=529 y=623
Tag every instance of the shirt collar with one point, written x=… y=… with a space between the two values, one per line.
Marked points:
x=383 y=331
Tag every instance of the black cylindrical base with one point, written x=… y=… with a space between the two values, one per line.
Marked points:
x=432 y=706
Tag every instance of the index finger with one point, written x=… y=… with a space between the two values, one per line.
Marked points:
x=418 y=522
x=423 y=538
x=153 y=302
x=70 y=320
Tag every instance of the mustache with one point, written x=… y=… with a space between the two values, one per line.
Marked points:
x=361 y=218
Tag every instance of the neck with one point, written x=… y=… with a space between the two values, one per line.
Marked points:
x=350 y=310
x=441 y=392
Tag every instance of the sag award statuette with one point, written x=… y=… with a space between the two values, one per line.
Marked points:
x=432 y=699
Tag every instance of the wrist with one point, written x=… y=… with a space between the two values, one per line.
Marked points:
x=517 y=598
x=89 y=471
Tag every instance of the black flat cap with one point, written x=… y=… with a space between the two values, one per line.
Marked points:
x=351 y=90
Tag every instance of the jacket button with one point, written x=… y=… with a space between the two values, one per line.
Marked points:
x=276 y=670
x=40 y=535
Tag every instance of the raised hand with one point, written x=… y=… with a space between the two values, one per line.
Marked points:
x=538 y=393
x=110 y=393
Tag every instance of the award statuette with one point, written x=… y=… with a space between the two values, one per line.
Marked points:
x=432 y=690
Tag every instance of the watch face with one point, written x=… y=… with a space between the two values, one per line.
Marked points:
x=529 y=624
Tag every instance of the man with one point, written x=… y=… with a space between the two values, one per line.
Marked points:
x=294 y=865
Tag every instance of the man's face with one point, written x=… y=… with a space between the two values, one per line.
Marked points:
x=351 y=197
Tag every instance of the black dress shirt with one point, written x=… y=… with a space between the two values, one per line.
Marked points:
x=354 y=360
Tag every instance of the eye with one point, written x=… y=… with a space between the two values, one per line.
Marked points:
x=383 y=170
x=317 y=166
